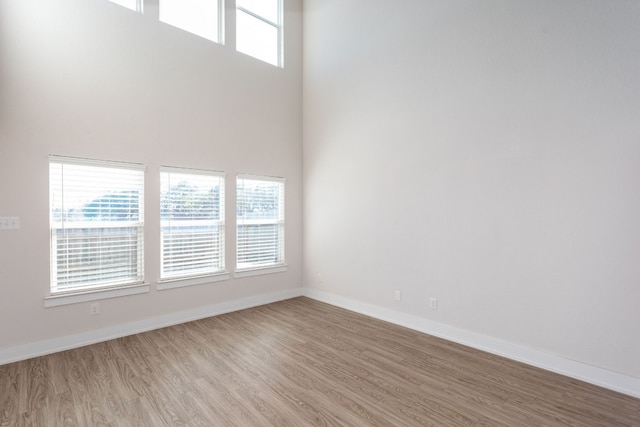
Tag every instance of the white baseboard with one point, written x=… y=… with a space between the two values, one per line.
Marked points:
x=27 y=351
x=578 y=370
x=581 y=371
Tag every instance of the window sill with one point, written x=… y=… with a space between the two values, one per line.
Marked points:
x=191 y=281
x=94 y=295
x=260 y=270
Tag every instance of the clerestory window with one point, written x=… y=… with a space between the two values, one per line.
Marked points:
x=135 y=5
x=201 y=17
x=259 y=29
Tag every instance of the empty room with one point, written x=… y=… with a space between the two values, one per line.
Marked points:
x=319 y=212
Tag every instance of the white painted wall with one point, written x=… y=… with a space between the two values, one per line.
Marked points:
x=88 y=78
x=486 y=153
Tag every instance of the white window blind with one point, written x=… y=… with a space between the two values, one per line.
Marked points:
x=96 y=224
x=259 y=29
x=192 y=222
x=260 y=222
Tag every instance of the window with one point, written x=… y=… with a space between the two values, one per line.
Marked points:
x=192 y=222
x=200 y=17
x=259 y=29
x=130 y=4
x=260 y=222
x=96 y=224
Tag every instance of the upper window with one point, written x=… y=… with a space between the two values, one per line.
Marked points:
x=192 y=222
x=260 y=222
x=259 y=29
x=200 y=17
x=130 y=4
x=96 y=224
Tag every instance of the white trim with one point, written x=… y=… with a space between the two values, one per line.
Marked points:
x=54 y=158
x=281 y=33
x=41 y=348
x=260 y=270
x=190 y=171
x=191 y=281
x=571 y=368
x=260 y=178
x=94 y=295
x=221 y=22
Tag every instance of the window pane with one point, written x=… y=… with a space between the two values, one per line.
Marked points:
x=258 y=245
x=256 y=38
x=96 y=214
x=129 y=4
x=89 y=257
x=199 y=17
x=267 y=9
x=82 y=193
x=192 y=215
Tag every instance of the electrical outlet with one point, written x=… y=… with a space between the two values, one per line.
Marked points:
x=94 y=308
x=433 y=303
x=397 y=295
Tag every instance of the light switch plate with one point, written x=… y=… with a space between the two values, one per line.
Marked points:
x=9 y=223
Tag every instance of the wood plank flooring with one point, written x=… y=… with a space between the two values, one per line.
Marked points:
x=296 y=363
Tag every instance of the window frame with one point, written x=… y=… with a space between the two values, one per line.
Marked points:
x=279 y=26
x=280 y=265
x=170 y=281
x=58 y=294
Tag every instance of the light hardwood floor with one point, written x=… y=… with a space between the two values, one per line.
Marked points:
x=297 y=362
